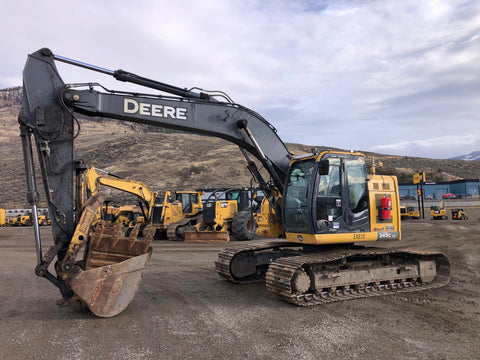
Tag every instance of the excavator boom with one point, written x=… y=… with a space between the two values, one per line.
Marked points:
x=48 y=115
x=193 y=112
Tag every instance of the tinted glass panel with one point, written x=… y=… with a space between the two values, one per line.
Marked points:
x=357 y=187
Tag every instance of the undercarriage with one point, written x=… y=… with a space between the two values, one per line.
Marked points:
x=307 y=276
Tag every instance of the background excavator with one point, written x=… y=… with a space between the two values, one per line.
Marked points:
x=325 y=200
x=169 y=217
x=439 y=213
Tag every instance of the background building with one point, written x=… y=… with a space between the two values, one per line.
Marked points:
x=435 y=190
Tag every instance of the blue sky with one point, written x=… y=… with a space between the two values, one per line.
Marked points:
x=395 y=77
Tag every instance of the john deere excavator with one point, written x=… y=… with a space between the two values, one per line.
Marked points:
x=325 y=200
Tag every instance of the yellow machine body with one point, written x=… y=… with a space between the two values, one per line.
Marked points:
x=44 y=220
x=412 y=213
x=268 y=222
x=3 y=218
x=438 y=213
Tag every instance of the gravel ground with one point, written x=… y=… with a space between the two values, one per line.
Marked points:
x=183 y=310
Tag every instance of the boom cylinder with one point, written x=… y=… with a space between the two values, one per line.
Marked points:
x=32 y=195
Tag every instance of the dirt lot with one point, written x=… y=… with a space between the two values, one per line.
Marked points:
x=185 y=311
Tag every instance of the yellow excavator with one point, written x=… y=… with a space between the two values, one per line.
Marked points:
x=329 y=207
x=169 y=217
x=438 y=213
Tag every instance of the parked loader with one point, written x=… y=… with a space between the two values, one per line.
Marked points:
x=22 y=220
x=44 y=220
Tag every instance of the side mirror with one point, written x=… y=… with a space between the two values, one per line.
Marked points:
x=323 y=167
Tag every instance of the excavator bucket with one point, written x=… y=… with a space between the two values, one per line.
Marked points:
x=108 y=290
x=108 y=277
x=207 y=237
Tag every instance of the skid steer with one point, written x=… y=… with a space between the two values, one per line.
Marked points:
x=459 y=214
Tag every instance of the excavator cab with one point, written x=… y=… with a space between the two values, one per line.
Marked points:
x=328 y=194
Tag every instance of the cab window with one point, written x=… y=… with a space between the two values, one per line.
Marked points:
x=357 y=187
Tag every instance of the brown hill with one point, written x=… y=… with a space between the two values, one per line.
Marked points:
x=173 y=161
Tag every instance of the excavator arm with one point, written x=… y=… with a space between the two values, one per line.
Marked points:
x=93 y=180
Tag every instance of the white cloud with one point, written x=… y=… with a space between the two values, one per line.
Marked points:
x=335 y=73
x=443 y=146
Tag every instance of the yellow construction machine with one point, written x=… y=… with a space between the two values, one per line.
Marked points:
x=169 y=217
x=438 y=213
x=3 y=218
x=44 y=220
x=411 y=213
x=329 y=208
x=181 y=211
x=226 y=212
x=127 y=215
x=22 y=220
x=459 y=214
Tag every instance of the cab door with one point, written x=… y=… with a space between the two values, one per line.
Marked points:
x=341 y=198
x=328 y=200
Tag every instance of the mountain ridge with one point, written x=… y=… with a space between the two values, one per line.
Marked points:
x=473 y=156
